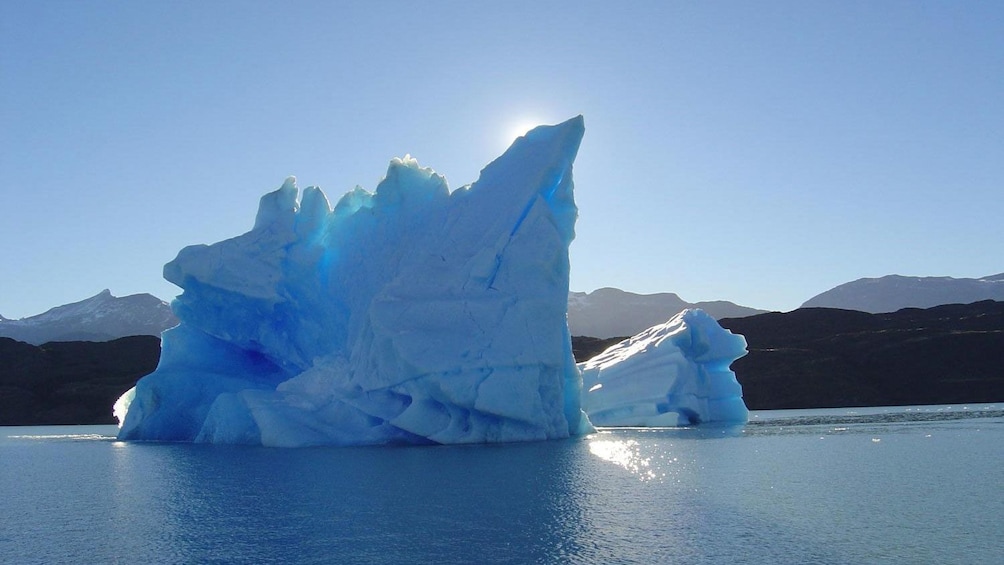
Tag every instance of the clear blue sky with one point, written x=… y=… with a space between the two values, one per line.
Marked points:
x=758 y=152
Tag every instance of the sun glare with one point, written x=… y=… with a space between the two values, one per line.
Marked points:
x=627 y=454
x=519 y=129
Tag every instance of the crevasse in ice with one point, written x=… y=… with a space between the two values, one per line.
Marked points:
x=408 y=315
x=672 y=374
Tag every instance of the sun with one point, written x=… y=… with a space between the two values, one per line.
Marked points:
x=519 y=129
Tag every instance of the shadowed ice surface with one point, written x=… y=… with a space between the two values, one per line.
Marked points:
x=834 y=486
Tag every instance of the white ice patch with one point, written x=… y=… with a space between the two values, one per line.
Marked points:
x=672 y=374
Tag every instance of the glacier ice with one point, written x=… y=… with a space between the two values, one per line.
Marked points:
x=411 y=314
x=414 y=315
x=672 y=374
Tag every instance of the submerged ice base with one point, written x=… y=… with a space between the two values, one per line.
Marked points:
x=673 y=374
x=406 y=315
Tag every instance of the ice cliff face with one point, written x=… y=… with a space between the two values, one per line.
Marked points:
x=406 y=315
x=672 y=374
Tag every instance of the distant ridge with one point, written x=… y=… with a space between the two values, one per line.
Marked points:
x=895 y=292
x=611 y=312
x=102 y=317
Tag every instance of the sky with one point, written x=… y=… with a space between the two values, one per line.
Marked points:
x=757 y=152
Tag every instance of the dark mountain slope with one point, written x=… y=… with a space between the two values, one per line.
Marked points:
x=70 y=382
x=820 y=357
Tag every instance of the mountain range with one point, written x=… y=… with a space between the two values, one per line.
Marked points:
x=611 y=312
x=102 y=317
x=604 y=313
x=894 y=292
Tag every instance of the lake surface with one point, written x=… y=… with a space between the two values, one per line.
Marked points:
x=847 y=486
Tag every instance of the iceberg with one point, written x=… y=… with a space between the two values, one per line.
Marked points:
x=672 y=374
x=410 y=315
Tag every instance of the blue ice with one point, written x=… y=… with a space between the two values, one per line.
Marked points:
x=411 y=314
x=414 y=315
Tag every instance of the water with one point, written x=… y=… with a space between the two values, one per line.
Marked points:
x=851 y=486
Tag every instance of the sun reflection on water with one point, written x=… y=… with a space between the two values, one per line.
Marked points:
x=625 y=453
x=74 y=437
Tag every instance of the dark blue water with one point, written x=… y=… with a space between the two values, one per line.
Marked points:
x=921 y=485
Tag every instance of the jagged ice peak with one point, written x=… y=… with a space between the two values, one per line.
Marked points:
x=411 y=314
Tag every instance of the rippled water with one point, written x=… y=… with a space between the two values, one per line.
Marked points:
x=899 y=485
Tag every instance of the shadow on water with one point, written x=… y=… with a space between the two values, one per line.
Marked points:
x=511 y=503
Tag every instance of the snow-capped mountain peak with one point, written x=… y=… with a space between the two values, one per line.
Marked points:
x=101 y=317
